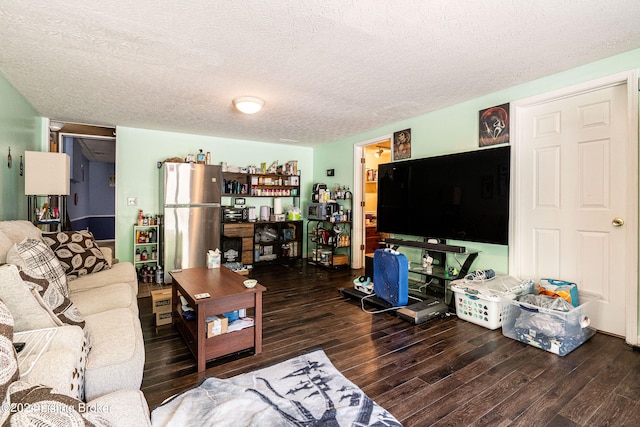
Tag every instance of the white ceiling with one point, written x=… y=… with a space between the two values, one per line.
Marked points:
x=98 y=149
x=327 y=69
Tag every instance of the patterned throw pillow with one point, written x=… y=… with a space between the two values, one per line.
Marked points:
x=40 y=405
x=51 y=299
x=8 y=360
x=77 y=252
x=33 y=254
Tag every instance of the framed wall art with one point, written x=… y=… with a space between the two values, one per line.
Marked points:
x=494 y=126
x=401 y=145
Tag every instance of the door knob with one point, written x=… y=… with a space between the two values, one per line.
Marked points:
x=617 y=222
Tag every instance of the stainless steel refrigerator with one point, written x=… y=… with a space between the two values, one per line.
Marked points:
x=191 y=201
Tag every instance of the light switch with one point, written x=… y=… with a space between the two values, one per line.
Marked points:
x=132 y=201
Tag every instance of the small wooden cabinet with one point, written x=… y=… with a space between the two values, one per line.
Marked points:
x=244 y=231
x=266 y=241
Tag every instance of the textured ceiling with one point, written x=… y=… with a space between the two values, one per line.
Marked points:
x=327 y=69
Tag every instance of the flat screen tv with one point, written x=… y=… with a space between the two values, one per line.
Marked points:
x=462 y=196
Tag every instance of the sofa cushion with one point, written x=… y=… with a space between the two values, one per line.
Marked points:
x=19 y=299
x=52 y=300
x=36 y=255
x=124 y=408
x=8 y=359
x=105 y=298
x=77 y=252
x=116 y=359
x=122 y=272
x=55 y=357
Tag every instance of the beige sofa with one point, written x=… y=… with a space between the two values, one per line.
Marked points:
x=108 y=353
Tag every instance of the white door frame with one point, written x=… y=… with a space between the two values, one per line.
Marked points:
x=357 y=235
x=630 y=78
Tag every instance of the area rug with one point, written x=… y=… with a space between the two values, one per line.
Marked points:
x=304 y=391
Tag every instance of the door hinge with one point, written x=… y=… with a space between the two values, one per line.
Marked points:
x=362 y=247
x=362 y=160
x=362 y=203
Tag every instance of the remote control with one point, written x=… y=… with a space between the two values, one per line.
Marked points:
x=201 y=296
x=18 y=346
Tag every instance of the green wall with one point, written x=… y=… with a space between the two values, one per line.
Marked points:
x=137 y=175
x=455 y=129
x=21 y=128
x=448 y=130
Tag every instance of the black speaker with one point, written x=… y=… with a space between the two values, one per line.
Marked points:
x=368 y=266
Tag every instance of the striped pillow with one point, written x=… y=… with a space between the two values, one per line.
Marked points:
x=33 y=254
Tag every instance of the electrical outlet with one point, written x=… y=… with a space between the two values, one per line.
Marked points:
x=132 y=201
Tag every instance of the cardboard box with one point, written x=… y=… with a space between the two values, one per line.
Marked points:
x=340 y=259
x=164 y=318
x=161 y=300
x=217 y=325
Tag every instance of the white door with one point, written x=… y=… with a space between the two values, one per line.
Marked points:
x=572 y=196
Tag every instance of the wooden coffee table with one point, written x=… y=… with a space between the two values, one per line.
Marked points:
x=228 y=293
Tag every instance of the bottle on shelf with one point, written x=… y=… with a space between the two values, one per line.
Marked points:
x=144 y=255
x=138 y=255
x=159 y=276
x=154 y=253
x=140 y=218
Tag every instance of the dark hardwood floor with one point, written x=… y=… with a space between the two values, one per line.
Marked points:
x=443 y=372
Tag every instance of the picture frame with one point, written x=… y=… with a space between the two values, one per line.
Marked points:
x=401 y=148
x=493 y=125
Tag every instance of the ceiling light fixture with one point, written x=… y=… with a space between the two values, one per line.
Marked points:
x=248 y=104
x=379 y=152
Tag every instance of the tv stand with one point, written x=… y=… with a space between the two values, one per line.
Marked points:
x=436 y=247
x=436 y=282
x=435 y=298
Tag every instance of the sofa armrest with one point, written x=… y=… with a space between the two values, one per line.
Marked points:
x=123 y=408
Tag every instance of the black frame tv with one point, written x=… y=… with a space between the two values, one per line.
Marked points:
x=462 y=196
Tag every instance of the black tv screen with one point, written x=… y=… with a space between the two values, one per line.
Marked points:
x=463 y=196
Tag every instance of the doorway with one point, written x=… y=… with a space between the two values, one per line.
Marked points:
x=575 y=200
x=91 y=203
x=368 y=155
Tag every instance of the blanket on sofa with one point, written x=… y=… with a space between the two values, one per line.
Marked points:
x=304 y=391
